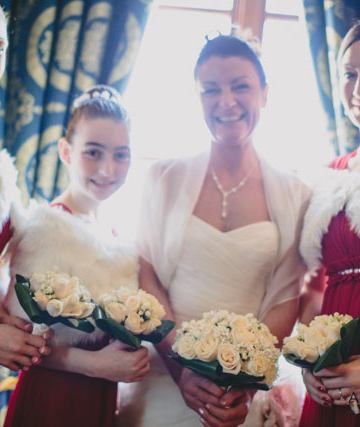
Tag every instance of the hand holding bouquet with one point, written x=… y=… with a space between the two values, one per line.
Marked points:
x=325 y=342
x=131 y=316
x=53 y=297
x=229 y=349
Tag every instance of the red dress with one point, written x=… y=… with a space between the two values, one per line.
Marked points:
x=340 y=251
x=50 y=398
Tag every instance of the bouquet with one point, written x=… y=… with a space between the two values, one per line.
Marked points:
x=325 y=342
x=131 y=316
x=229 y=349
x=53 y=297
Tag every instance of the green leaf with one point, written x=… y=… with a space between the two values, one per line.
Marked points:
x=213 y=371
x=118 y=331
x=25 y=297
x=295 y=360
x=114 y=329
x=160 y=332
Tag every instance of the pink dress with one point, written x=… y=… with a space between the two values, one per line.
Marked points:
x=340 y=250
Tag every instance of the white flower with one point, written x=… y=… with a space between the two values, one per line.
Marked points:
x=185 y=347
x=41 y=299
x=133 y=323
x=54 y=307
x=206 y=348
x=115 y=310
x=229 y=359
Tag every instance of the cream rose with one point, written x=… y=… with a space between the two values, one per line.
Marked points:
x=257 y=365
x=132 y=303
x=115 y=310
x=301 y=349
x=41 y=299
x=36 y=280
x=229 y=358
x=54 y=307
x=150 y=326
x=133 y=323
x=206 y=348
x=271 y=374
x=185 y=347
x=332 y=331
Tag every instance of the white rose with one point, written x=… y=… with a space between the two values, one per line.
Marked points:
x=62 y=287
x=229 y=358
x=185 y=347
x=54 y=307
x=150 y=326
x=300 y=349
x=313 y=335
x=115 y=310
x=271 y=374
x=332 y=331
x=71 y=304
x=206 y=348
x=323 y=345
x=41 y=300
x=132 y=303
x=133 y=323
x=257 y=365
x=87 y=308
x=36 y=280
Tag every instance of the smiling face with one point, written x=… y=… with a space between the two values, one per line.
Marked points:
x=98 y=158
x=349 y=70
x=232 y=97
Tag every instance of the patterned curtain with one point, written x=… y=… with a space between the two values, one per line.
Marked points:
x=327 y=22
x=57 y=49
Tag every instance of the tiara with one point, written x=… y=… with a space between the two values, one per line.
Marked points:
x=247 y=35
x=103 y=93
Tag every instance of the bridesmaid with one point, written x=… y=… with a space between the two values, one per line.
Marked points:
x=330 y=243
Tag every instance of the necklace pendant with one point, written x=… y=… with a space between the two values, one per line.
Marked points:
x=223 y=208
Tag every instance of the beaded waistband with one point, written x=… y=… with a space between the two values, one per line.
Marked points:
x=349 y=271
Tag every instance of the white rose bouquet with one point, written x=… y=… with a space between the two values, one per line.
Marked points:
x=229 y=349
x=53 y=297
x=132 y=316
x=325 y=342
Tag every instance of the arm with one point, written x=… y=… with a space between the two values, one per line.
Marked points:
x=200 y=394
x=114 y=362
x=311 y=297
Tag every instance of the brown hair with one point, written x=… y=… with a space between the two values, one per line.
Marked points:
x=352 y=36
x=99 y=101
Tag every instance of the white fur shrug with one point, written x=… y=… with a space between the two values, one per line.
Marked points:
x=50 y=238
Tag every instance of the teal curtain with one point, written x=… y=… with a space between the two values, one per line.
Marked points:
x=327 y=22
x=57 y=49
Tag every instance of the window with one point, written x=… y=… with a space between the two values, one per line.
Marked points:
x=165 y=111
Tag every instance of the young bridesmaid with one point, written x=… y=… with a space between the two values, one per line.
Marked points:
x=77 y=384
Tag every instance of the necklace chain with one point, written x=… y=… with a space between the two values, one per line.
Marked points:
x=226 y=194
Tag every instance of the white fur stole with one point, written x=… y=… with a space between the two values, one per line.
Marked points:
x=9 y=192
x=334 y=191
x=52 y=238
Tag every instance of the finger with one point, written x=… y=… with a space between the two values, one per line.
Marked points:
x=214 y=421
x=45 y=351
x=334 y=371
x=336 y=382
x=18 y=322
x=35 y=360
x=210 y=387
x=231 y=414
x=47 y=335
x=34 y=340
x=233 y=396
x=21 y=360
x=341 y=396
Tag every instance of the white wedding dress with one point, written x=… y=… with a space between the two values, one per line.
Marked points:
x=217 y=270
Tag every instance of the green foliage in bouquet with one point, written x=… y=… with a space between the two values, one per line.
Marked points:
x=337 y=353
x=25 y=297
x=118 y=330
x=213 y=371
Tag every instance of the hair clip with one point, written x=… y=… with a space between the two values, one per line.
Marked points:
x=96 y=93
x=212 y=35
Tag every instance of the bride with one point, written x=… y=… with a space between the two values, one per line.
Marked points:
x=219 y=230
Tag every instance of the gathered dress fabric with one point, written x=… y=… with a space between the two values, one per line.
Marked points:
x=335 y=247
x=246 y=270
x=57 y=239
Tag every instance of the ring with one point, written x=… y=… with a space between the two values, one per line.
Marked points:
x=341 y=397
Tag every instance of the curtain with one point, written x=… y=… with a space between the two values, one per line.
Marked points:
x=57 y=49
x=327 y=22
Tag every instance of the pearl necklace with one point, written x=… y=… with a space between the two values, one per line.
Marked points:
x=226 y=194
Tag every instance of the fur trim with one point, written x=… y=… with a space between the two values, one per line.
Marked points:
x=335 y=190
x=53 y=238
x=9 y=193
